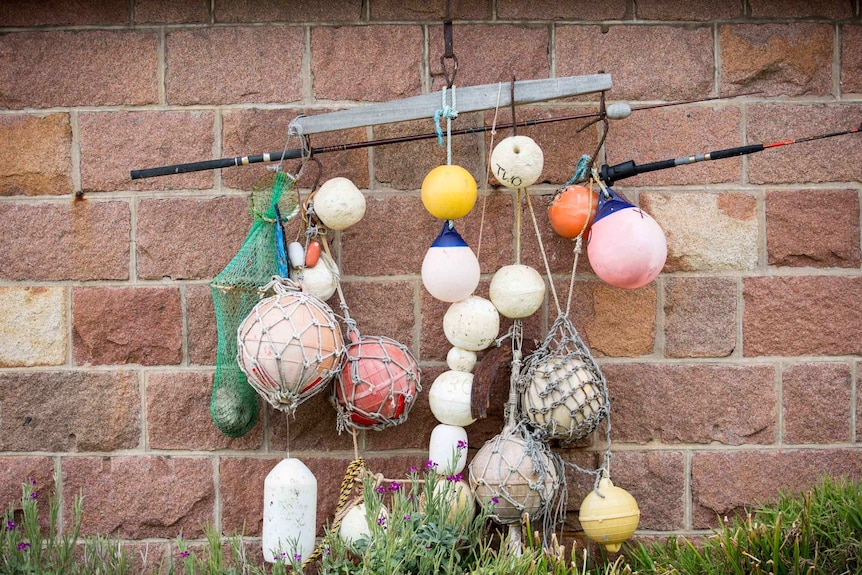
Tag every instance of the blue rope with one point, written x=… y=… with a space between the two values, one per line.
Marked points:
x=450 y=113
x=581 y=170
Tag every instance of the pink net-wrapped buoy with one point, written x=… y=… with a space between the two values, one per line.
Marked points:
x=290 y=347
x=377 y=384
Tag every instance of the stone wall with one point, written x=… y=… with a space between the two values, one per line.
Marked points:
x=733 y=376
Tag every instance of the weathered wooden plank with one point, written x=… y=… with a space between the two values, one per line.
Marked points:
x=468 y=99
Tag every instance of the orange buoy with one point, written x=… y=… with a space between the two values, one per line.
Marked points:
x=312 y=253
x=573 y=210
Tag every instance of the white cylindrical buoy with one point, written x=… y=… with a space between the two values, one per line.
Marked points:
x=619 y=111
x=517 y=291
x=450 y=398
x=517 y=161
x=448 y=449
x=339 y=204
x=460 y=359
x=472 y=323
x=289 y=510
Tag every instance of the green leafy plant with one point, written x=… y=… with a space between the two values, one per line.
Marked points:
x=816 y=533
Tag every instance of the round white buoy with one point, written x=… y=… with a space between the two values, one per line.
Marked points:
x=460 y=359
x=339 y=204
x=472 y=323
x=517 y=291
x=450 y=269
x=517 y=162
x=289 y=510
x=450 y=398
x=448 y=449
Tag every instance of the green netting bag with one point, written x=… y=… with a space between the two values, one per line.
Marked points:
x=234 y=405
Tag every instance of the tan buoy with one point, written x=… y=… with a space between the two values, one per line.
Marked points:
x=609 y=518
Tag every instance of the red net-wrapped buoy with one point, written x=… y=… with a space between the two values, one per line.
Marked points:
x=377 y=384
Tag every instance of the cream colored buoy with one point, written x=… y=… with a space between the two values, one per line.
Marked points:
x=472 y=323
x=460 y=359
x=458 y=495
x=609 y=518
x=339 y=204
x=564 y=398
x=512 y=477
x=448 y=449
x=450 y=398
x=354 y=525
x=517 y=162
x=289 y=510
x=517 y=291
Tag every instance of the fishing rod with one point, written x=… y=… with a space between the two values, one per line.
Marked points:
x=617 y=172
x=298 y=153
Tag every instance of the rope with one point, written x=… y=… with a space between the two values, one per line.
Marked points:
x=350 y=477
x=450 y=113
x=488 y=170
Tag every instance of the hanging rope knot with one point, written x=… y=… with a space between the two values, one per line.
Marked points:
x=581 y=170
x=450 y=112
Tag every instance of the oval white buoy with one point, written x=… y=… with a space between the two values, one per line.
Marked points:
x=618 y=111
x=448 y=449
x=339 y=204
x=517 y=291
x=460 y=359
x=296 y=254
x=449 y=398
x=517 y=161
x=289 y=510
x=472 y=323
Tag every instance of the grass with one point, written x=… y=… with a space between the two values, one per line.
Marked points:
x=818 y=532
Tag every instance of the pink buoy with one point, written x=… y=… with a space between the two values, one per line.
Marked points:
x=378 y=382
x=626 y=246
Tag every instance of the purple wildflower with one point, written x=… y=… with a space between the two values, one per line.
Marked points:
x=10 y=525
x=184 y=554
x=462 y=444
x=406 y=518
x=430 y=464
x=413 y=469
x=381 y=520
x=34 y=495
x=455 y=477
x=395 y=486
x=494 y=500
x=23 y=545
x=297 y=557
x=380 y=489
x=31 y=480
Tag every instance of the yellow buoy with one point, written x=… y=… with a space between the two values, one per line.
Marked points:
x=449 y=192
x=611 y=519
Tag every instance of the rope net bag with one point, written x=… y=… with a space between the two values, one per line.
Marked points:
x=515 y=474
x=564 y=393
x=377 y=384
x=290 y=345
x=234 y=406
